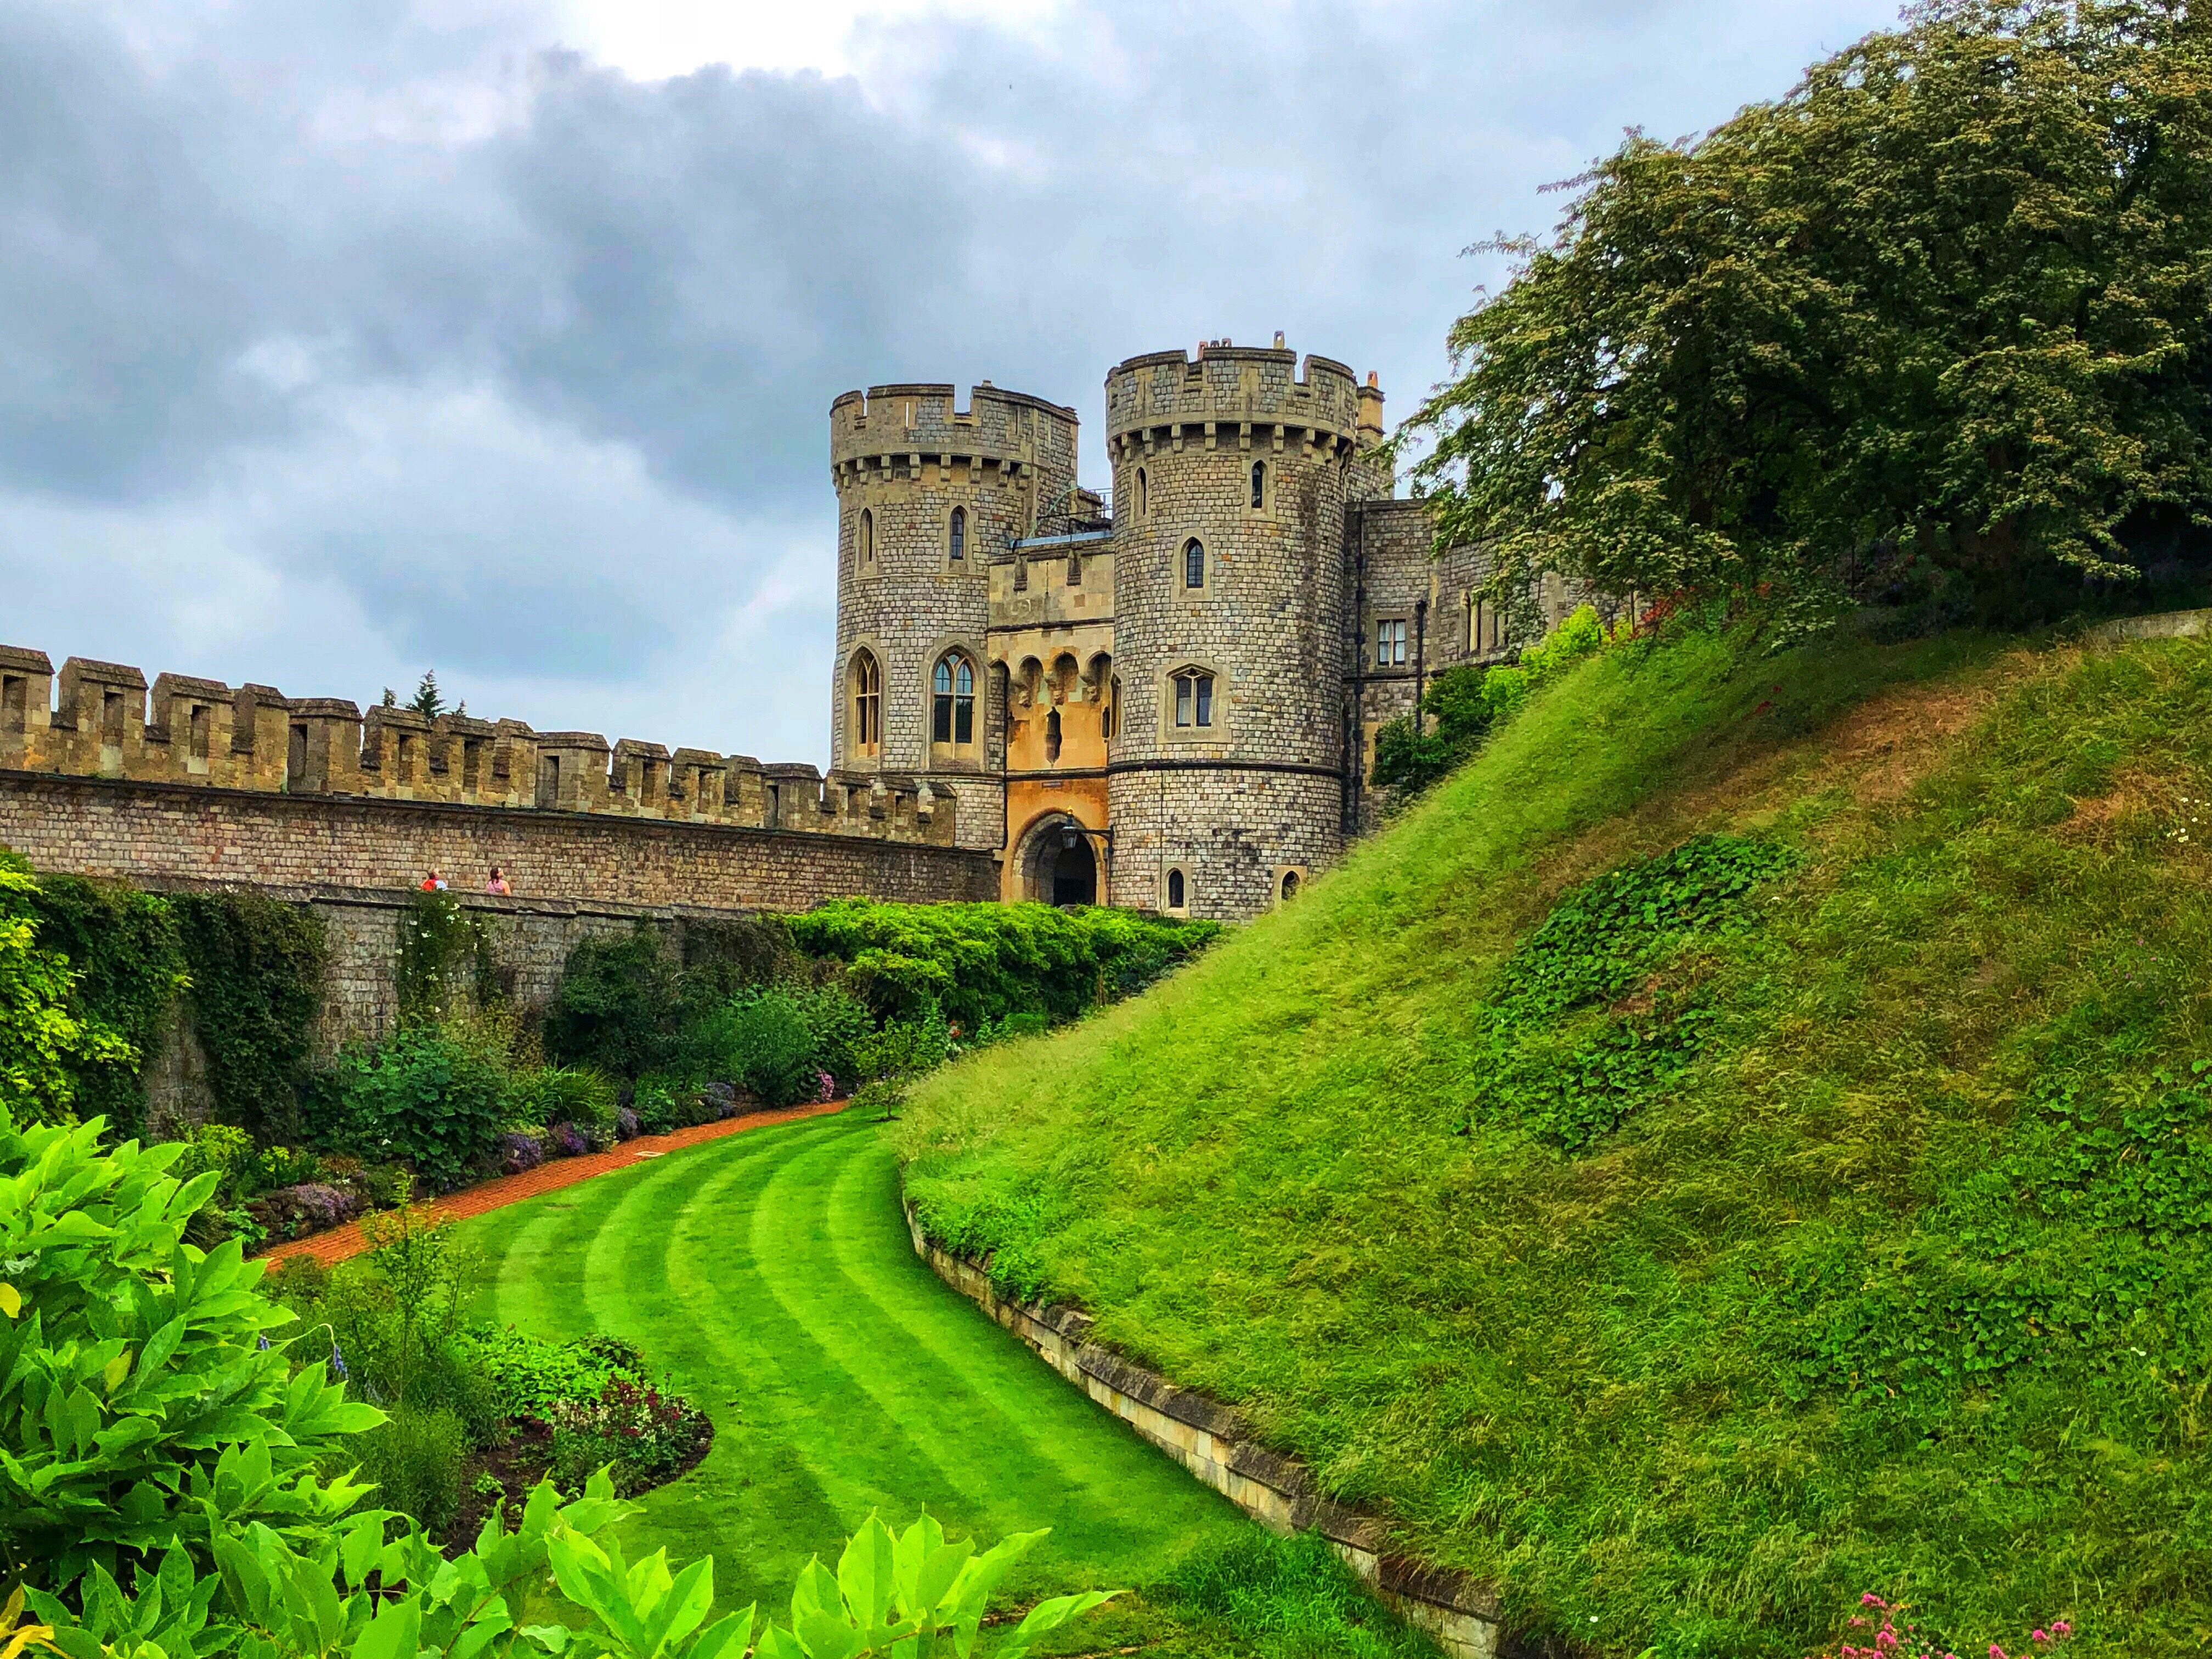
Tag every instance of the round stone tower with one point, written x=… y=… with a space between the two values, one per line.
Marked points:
x=1226 y=767
x=928 y=495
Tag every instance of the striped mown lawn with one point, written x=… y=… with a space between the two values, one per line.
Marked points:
x=771 y=1274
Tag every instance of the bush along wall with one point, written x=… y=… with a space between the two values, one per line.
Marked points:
x=255 y=967
x=985 y=964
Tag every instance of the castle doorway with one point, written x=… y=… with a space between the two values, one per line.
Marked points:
x=1075 y=874
x=1058 y=865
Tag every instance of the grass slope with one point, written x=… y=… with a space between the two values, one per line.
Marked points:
x=770 y=1273
x=1902 y=1287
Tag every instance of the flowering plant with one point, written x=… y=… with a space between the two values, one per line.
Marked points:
x=1879 y=1632
x=646 y=1434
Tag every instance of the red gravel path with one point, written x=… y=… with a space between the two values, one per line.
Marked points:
x=339 y=1243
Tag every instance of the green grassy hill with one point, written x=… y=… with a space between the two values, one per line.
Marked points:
x=1823 y=1206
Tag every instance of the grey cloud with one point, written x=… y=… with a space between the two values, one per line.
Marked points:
x=379 y=306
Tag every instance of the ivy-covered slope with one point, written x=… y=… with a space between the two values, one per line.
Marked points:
x=1736 y=1146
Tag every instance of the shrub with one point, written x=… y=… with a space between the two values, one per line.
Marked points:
x=615 y=1007
x=312 y=1206
x=96 y=1267
x=531 y=1376
x=417 y=1462
x=570 y=1095
x=764 y=1041
x=905 y=1047
x=424 y=1099
x=567 y=1140
x=626 y=1124
x=643 y=1434
x=518 y=1150
x=983 y=962
x=835 y=1021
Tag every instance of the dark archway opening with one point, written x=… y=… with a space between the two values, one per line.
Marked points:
x=1074 y=872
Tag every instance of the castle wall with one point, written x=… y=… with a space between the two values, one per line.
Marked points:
x=156 y=832
x=1257 y=790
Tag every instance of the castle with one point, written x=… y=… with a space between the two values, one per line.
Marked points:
x=1168 y=706
x=1171 y=705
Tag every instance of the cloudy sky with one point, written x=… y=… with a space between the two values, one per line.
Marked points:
x=340 y=338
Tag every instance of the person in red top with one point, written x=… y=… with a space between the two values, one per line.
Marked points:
x=434 y=882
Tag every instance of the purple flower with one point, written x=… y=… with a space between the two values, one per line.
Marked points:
x=517 y=1152
x=828 y=1090
x=625 y=1124
x=338 y=1364
x=569 y=1141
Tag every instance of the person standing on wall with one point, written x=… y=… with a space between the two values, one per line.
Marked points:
x=497 y=886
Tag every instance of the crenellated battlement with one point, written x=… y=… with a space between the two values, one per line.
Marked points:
x=896 y=431
x=1251 y=394
x=101 y=720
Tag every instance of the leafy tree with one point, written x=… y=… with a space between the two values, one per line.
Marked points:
x=1940 y=310
x=428 y=702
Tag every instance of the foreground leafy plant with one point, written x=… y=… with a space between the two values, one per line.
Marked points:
x=141 y=1409
x=359 y=1593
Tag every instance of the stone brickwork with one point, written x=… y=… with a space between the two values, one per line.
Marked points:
x=1236 y=469
x=1080 y=753
x=205 y=734
x=155 y=832
x=913 y=589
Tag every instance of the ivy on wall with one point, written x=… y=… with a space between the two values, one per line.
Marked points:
x=128 y=967
x=257 y=971
x=445 y=959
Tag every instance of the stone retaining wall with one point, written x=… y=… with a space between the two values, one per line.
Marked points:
x=1216 y=1444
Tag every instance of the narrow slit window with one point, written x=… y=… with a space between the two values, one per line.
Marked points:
x=1175 y=889
x=1142 y=505
x=959 y=540
x=1194 y=563
x=867 y=536
x=1259 y=485
x=1052 y=736
x=1075 y=570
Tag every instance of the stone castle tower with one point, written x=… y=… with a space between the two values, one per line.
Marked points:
x=1168 y=707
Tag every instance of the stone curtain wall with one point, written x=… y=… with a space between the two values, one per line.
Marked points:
x=205 y=734
x=530 y=940
x=156 y=833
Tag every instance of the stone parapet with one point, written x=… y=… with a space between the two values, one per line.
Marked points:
x=97 y=720
x=1217 y=1444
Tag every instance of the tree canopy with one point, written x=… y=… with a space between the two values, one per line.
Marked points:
x=1942 y=307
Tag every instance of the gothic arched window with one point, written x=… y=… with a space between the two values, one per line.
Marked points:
x=866 y=536
x=1193 y=697
x=1194 y=563
x=867 y=704
x=953 y=699
x=1176 y=891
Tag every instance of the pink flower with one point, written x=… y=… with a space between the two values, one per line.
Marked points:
x=1997 y=1652
x=2062 y=1630
x=1869 y=1599
x=2039 y=1635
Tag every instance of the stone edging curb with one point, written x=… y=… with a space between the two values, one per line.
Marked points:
x=1217 y=1445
